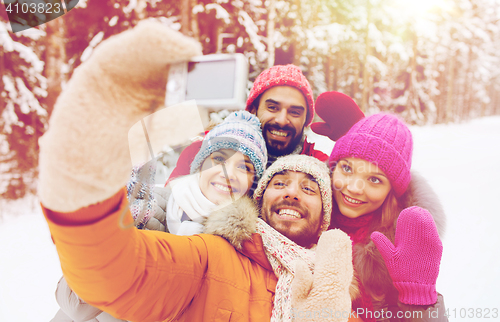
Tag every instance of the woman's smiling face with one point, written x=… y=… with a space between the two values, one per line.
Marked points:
x=359 y=187
x=214 y=184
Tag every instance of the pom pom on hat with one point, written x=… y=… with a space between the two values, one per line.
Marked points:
x=306 y=164
x=240 y=131
x=384 y=140
x=242 y=116
x=283 y=75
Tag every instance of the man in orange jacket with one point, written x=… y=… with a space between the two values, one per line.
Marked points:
x=154 y=276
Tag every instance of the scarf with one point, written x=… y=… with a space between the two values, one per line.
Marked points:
x=140 y=193
x=358 y=230
x=187 y=207
x=281 y=253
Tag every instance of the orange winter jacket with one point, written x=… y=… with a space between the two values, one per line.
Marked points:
x=140 y=275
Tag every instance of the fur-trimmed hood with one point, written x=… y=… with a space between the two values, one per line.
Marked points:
x=236 y=221
x=368 y=262
x=421 y=194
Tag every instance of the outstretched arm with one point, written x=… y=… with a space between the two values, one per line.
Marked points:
x=132 y=274
x=85 y=162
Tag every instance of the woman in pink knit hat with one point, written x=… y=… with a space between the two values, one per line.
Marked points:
x=396 y=245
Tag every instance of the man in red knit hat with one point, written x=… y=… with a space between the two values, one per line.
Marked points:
x=282 y=99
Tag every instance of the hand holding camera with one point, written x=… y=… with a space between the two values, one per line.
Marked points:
x=84 y=156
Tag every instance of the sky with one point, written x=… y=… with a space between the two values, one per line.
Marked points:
x=460 y=161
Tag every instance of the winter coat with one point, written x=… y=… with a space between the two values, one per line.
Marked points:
x=183 y=165
x=75 y=309
x=156 y=276
x=189 y=278
x=370 y=266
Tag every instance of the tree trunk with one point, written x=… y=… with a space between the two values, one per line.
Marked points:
x=218 y=35
x=195 y=29
x=140 y=9
x=296 y=43
x=328 y=73
x=366 y=80
x=55 y=58
x=335 y=70
x=468 y=79
x=270 y=33
x=185 y=10
x=414 y=97
x=451 y=83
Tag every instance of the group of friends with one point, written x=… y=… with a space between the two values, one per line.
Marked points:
x=254 y=223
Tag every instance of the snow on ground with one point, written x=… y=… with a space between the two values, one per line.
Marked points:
x=459 y=160
x=29 y=266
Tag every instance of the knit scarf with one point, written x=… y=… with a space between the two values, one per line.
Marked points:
x=187 y=207
x=140 y=193
x=357 y=229
x=281 y=253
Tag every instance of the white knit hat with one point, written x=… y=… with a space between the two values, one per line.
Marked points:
x=306 y=164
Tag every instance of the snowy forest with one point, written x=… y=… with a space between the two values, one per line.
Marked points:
x=430 y=61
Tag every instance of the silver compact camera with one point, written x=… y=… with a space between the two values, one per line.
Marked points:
x=215 y=82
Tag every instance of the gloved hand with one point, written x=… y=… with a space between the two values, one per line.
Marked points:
x=141 y=197
x=339 y=113
x=159 y=219
x=84 y=156
x=327 y=291
x=413 y=261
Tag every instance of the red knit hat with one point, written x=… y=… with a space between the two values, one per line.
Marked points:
x=283 y=75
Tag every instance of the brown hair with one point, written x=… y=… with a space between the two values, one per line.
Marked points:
x=389 y=212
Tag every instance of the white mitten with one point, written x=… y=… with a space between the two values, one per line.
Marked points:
x=84 y=156
x=324 y=295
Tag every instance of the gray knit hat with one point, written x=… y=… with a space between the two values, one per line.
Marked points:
x=240 y=132
x=306 y=164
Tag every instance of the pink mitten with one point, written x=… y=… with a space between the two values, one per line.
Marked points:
x=339 y=113
x=413 y=261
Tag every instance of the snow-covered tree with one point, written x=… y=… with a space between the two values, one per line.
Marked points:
x=23 y=118
x=435 y=65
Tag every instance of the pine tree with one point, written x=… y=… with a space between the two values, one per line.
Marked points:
x=23 y=119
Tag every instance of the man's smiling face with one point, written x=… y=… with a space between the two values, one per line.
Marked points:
x=292 y=205
x=282 y=110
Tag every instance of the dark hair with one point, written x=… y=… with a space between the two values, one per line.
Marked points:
x=256 y=102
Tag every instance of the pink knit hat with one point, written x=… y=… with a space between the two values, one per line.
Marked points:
x=283 y=75
x=384 y=140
